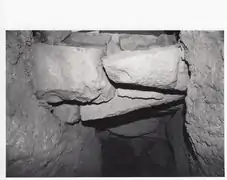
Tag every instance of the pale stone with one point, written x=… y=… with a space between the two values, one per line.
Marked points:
x=87 y=39
x=137 y=94
x=205 y=101
x=139 y=42
x=67 y=113
x=182 y=76
x=157 y=67
x=134 y=42
x=119 y=106
x=70 y=73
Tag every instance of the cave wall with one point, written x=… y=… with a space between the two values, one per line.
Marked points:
x=37 y=142
x=205 y=100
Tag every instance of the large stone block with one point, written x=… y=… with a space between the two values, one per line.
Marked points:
x=119 y=106
x=157 y=67
x=70 y=73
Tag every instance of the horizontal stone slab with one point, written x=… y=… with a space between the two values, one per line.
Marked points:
x=157 y=67
x=139 y=42
x=87 y=39
x=137 y=94
x=69 y=73
x=119 y=106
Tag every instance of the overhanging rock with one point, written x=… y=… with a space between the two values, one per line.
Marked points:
x=157 y=67
x=119 y=106
x=70 y=73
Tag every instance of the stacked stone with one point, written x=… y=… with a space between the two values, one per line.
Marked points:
x=106 y=76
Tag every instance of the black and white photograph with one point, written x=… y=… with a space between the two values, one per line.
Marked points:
x=106 y=102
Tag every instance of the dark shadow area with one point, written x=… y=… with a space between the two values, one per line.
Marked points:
x=118 y=158
x=136 y=156
x=146 y=88
x=69 y=102
x=155 y=111
x=155 y=33
x=188 y=141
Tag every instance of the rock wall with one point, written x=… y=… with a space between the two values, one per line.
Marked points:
x=37 y=142
x=107 y=75
x=205 y=100
x=40 y=144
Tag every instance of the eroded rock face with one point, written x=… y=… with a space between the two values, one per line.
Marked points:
x=205 y=100
x=136 y=42
x=157 y=67
x=37 y=143
x=70 y=73
x=67 y=113
x=87 y=39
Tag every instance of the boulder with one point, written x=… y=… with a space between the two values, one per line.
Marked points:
x=157 y=67
x=69 y=73
x=119 y=106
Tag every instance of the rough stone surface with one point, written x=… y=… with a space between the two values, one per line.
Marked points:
x=37 y=144
x=67 y=113
x=118 y=106
x=137 y=128
x=87 y=39
x=70 y=73
x=139 y=42
x=157 y=67
x=113 y=45
x=52 y=37
x=175 y=135
x=205 y=100
x=137 y=94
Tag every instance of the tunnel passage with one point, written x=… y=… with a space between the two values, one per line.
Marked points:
x=136 y=144
x=105 y=103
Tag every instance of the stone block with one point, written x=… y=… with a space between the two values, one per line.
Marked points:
x=69 y=73
x=157 y=67
x=119 y=106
